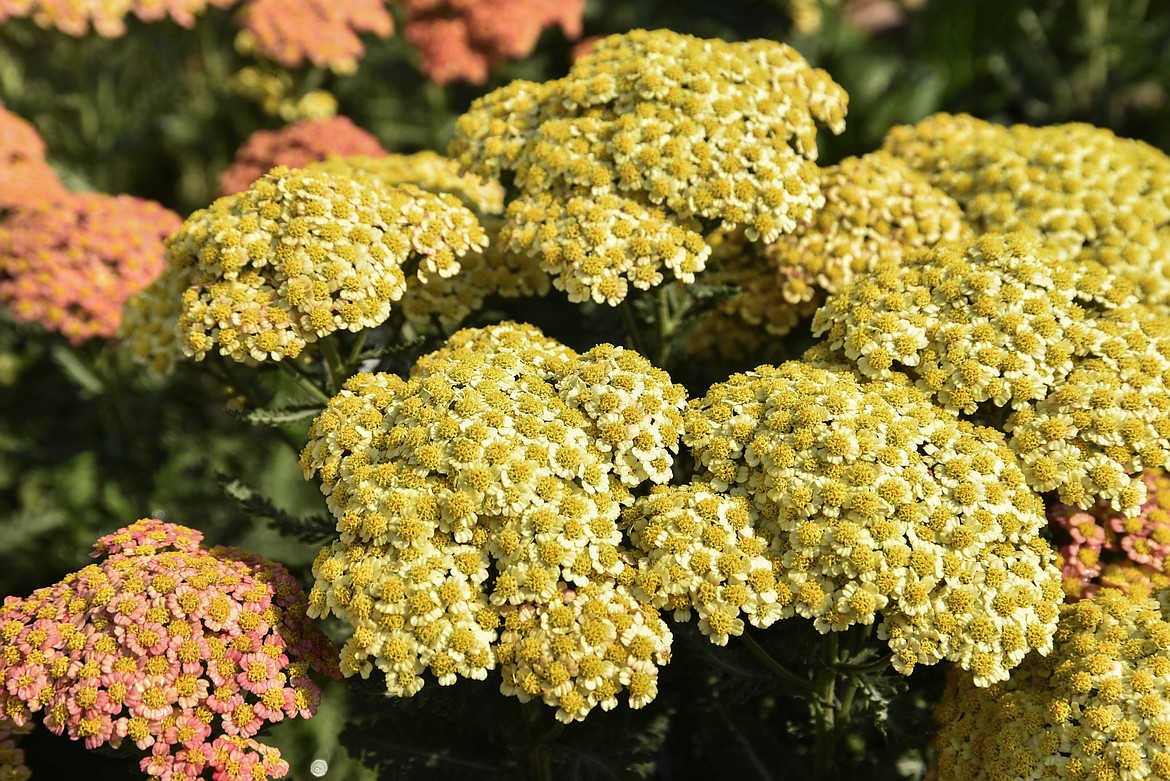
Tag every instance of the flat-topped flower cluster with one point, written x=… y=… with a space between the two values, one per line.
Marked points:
x=1096 y=707
x=461 y=40
x=1005 y=322
x=105 y=17
x=298 y=255
x=1090 y=195
x=873 y=505
x=619 y=163
x=322 y=33
x=70 y=263
x=477 y=505
x=182 y=651
x=496 y=271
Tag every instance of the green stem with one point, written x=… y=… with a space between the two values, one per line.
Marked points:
x=359 y=344
x=666 y=326
x=825 y=709
x=290 y=368
x=821 y=751
x=541 y=768
x=334 y=366
x=633 y=327
x=782 y=673
x=673 y=307
x=539 y=761
x=314 y=78
x=849 y=688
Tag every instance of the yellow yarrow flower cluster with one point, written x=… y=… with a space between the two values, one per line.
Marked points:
x=703 y=550
x=430 y=171
x=619 y=164
x=494 y=271
x=583 y=648
x=272 y=89
x=881 y=507
x=877 y=209
x=1090 y=194
x=300 y=254
x=477 y=505
x=497 y=271
x=1097 y=707
x=1006 y=321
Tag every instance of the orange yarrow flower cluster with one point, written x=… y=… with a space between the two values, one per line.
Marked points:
x=25 y=177
x=1102 y=547
x=323 y=33
x=71 y=263
x=106 y=17
x=295 y=146
x=460 y=40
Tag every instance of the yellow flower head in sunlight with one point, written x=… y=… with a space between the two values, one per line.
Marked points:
x=1095 y=707
x=301 y=254
x=651 y=140
x=478 y=503
x=870 y=505
x=1006 y=322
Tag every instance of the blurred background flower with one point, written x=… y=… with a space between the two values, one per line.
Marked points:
x=71 y=263
x=25 y=177
x=294 y=146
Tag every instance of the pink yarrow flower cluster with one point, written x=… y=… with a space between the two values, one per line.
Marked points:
x=71 y=263
x=295 y=146
x=460 y=40
x=25 y=177
x=1099 y=547
x=182 y=651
